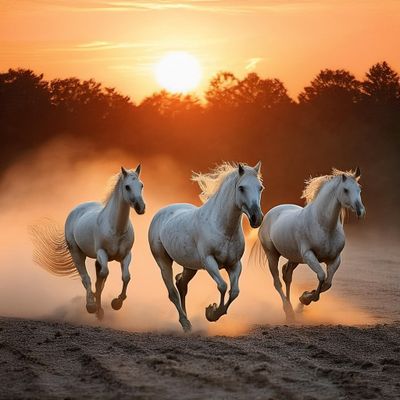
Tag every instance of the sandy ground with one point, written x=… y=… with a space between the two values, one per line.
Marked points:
x=42 y=359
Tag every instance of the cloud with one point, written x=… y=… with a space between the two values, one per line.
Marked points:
x=212 y=6
x=252 y=63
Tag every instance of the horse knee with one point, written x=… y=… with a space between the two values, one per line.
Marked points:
x=321 y=276
x=277 y=284
x=86 y=281
x=172 y=295
x=222 y=287
x=126 y=278
x=104 y=273
x=234 y=293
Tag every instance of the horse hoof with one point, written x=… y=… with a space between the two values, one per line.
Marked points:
x=290 y=316
x=306 y=298
x=211 y=313
x=116 y=304
x=186 y=326
x=100 y=314
x=91 y=308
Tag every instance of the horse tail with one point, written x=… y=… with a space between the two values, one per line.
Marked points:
x=51 y=251
x=257 y=255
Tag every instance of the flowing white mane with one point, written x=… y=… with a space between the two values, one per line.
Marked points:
x=314 y=185
x=210 y=182
x=113 y=182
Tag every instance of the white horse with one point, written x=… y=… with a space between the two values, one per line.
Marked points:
x=103 y=232
x=312 y=234
x=210 y=236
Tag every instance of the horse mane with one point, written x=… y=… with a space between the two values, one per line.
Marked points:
x=314 y=185
x=210 y=182
x=113 y=182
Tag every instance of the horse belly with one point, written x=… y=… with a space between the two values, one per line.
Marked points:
x=183 y=251
x=283 y=237
x=179 y=243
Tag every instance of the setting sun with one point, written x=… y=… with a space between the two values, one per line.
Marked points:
x=178 y=72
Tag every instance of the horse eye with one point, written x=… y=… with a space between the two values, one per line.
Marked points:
x=346 y=190
x=241 y=189
x=127 y=187
x=261 y=189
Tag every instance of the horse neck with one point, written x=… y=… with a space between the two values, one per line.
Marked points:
x=117 y=211
x=223 y=210
x=327 y=206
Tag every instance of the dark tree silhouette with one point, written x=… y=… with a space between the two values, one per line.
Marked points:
x=223 y=90
x=170 y=104
x=332 y=87
x=382 y=85
x=262 y=93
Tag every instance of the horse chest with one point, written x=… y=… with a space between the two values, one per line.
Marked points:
x=228 y=253
x=117 y=247
x=329 y=248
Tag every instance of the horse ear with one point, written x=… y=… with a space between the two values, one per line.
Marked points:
x=344 y=177
x=357 y=174
x=124 y=172
x=257 y=167
x=137 y=170
x=241 y=169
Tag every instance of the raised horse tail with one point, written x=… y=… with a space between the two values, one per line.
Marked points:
x=51 y=249
x=257 y=255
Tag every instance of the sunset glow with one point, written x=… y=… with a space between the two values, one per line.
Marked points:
x=120 y=44
x=178 y=72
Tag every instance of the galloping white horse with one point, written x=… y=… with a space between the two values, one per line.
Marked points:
x=312 y=234
x=210 y=236
x=94 y=230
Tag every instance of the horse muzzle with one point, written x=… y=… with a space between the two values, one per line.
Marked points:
x=359 y=209
x=254 y=215
x=139 y=207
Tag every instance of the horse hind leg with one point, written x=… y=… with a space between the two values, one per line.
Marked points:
x=287 y=274
x=182 y=280
x=164 y=261
x=273 y=260
x=79 y=260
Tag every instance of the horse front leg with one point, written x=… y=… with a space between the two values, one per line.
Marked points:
x=307 y=297
x=234 y=275
x=331 y=269
x=116 y=303
x=214 y=312
x=101 y=273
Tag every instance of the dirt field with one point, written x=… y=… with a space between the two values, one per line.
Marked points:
x=42 y=359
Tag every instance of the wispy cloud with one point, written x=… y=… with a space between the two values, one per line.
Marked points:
x=100 y=45
x=252 y=63
x=213 y=6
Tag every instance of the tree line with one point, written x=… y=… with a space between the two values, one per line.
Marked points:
x=337 y=120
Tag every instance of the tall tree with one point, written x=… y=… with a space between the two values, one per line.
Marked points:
x=332 y=87
x=382 y=84
x=222 y=91
x=262 y=93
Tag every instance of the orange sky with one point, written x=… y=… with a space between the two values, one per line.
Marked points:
x=118 y=42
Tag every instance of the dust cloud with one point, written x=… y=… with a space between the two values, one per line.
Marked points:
x=62 y=174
